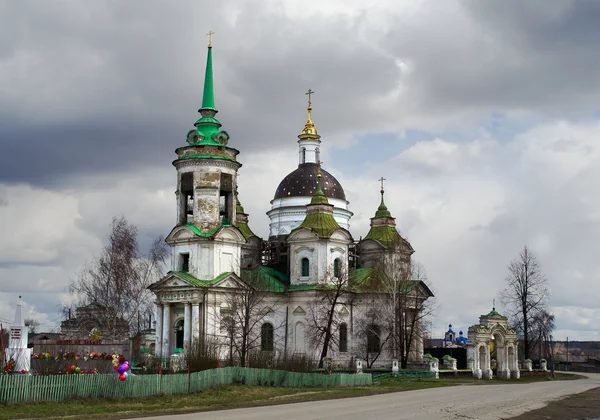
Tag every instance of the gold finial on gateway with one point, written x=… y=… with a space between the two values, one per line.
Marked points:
x=210 y=34
x=309 y=127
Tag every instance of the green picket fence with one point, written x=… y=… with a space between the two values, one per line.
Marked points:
x=16 y=389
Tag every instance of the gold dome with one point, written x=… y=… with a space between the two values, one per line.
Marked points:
x=309 y=127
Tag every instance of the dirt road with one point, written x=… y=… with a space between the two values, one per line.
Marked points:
x=481 y=402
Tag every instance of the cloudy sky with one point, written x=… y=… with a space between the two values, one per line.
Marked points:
x=484 y=117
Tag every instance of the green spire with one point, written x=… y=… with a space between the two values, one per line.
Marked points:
x=382 y=210
x=208 y=129
x=383 y=226
x=319 y=196
x=320 y=220
x=208 y=98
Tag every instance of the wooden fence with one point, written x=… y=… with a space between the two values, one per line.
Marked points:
x=16 y=389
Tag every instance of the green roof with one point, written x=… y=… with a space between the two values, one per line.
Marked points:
x=265 y=279
x=322 y=224
x=197 y=282
x=494 y=312
x=319 y=197
x=245 y=230
x=387 y=236
x=198 y=232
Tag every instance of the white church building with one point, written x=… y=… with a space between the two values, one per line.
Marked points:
x=216 y=256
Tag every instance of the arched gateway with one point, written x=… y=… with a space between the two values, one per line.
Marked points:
x=493 y=328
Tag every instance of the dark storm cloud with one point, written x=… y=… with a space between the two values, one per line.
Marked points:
x=56 y=155
x=504 y=55
x=107 y=86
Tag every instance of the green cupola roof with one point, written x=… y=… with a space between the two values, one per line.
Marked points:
x=382 y=210
x=319 y=213
x=383 y=226
x=208 y=129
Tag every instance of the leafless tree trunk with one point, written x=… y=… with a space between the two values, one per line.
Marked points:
x=324 y=318
x=247 y=309
x=543 y=324
x=373 y=331
x=116 y=284
x=406 y=297
x=525 y=294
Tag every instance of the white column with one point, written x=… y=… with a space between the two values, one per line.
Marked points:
x=187 y=321
x=166 y=345
x=158 y=332
x=195 y=323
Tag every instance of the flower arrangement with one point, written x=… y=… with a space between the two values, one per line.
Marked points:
x=10 y=366
x=69 y=355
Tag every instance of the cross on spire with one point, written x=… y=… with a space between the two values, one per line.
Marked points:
x=319 y=163
x=309 y=93
x=494 y=303
x=210 y=34
x=381 y=180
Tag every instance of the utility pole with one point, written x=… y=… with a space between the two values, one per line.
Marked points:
x=552 y=354
x=567 y=353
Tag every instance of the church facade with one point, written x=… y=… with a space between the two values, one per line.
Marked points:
x=308 y=284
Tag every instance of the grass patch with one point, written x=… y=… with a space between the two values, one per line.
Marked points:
x=232 y=396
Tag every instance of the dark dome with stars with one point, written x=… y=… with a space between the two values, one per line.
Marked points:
x=303 y=183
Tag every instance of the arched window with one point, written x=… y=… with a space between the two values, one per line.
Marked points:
x=305 y=267
x=303 y=155
x=336 y=268
x=343 y=338
x=373 y=342
x=266 y=337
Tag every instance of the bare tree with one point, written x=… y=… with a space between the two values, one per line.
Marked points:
x=373 y=332
x=114 y=288
x=248 y=307
x=32 y=324
x=525 y=294
x=406 y=297
x=542 y=326
x=324 y=312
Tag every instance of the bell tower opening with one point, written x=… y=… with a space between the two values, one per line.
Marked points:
x=226 y=199
x=186 y=190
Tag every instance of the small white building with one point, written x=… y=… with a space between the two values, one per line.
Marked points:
x=216 y=257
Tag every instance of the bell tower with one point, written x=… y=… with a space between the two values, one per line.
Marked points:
x=205 y=240
x=206 y=168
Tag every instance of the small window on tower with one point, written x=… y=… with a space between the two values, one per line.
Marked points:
x=305 y=267
x=185 y=262
x=303 y=155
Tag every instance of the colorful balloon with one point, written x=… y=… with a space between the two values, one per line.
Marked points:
x=122 y=377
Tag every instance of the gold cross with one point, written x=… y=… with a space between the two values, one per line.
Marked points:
x=319 y=163
x=381 y=180
x=210 y=34
x=309 y=93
